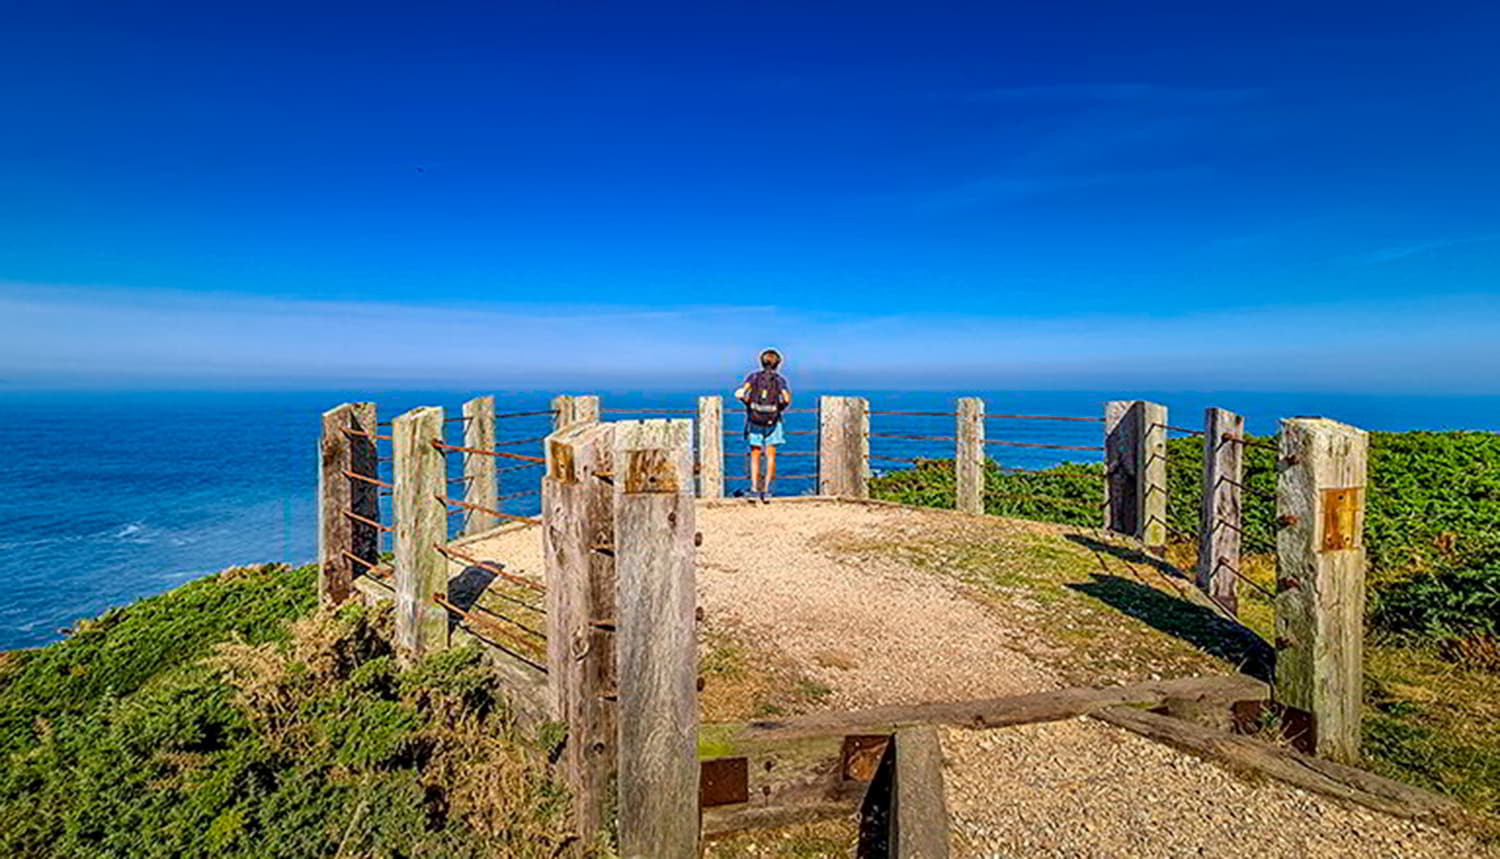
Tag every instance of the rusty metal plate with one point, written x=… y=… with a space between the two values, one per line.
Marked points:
x=560 y=462
x=650 y=471
x=862 y=754
x=1339 y=506
x=723 y=781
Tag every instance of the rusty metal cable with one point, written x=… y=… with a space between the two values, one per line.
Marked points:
x=482 y=452
x=1008 y=443
x=900 y=459
x=520 y=467
x=366 y=478
x=913 y=437
x=520 y=441
x=1246 y=579
x=1250 y=442
x=363 y=434
x=534 y=654
x=1044 y=418
x=510 y=516
x=371 y=522
x=1042 y=498
x=369 y=567
x=525 y=414
x=450 y=553
x=1178 y=429
x=917 y=414
x=441 y=599
x=522 y=494
x=649 y=411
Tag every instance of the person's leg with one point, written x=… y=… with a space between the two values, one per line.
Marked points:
x=770 y=469
x=754 y=470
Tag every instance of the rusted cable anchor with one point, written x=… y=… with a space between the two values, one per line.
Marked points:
x=1286 y=520
x=1287 y=584
x=603 y=549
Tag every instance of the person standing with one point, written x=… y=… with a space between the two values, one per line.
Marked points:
x=765 y=395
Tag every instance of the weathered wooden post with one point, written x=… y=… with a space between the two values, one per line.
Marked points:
x=1135 y=446
x=656 y=639
x=968 y=460
x=578 y=555
x=1219 y=519
x=710 y=447
x=568 y=410
x=421 y=527
x=480 y=485
x=347 y=446
x=919 y=822
x=1320 y=584
x=844 y=447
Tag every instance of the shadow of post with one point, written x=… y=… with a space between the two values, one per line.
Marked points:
x=1195 y=624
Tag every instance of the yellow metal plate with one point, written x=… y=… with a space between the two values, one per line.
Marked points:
x=561 y=462
x=1339 y=507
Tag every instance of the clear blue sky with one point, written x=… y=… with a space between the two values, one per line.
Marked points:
x=1221 y=196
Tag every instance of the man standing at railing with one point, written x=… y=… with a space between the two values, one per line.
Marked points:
x=765 y=395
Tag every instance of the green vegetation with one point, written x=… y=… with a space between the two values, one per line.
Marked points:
x=212 y=721
x=1432 y=532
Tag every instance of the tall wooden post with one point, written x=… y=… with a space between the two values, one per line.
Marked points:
x=586 y=409
x=421 y=525
x=347 y=444
x=1135 y=449
x=1219 y=519
x=710 y=447
x=655 y=638
x=844 y=447
x=480 y=485
x=562 y=412
x=578 y=533
x=969 y=457
x=1320 y=583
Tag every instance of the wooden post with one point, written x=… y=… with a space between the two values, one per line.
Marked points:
x=578 y=531
x=421 y=524
x=480 y=486
x=844 y=447
x=1135 y=446
x=586 y=409
x=919 y=807
x=969 y=457
x=710 y=447
x=339 y=495
x=562 y=411
x=656 y=639
x=1219 y=519
x=1320 y=584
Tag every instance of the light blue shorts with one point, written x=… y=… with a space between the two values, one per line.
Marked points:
x=758 y=439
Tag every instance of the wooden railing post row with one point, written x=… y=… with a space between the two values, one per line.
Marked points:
x=578 y=531
x=1219 y=518
x=710 y=447
x=574 y=409
x=655 y=638
x=1135 y=445
x=339 y=495
x=844 y=447
x=562 y=411
x=968 y=460
x=1320 y=584
x=480 y=485
x=421 y=523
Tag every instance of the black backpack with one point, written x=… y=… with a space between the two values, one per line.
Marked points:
x=763 y=400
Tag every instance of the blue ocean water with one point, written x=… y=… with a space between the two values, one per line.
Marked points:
x=106 y=498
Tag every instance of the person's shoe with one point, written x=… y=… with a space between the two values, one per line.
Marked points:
x=765 y=496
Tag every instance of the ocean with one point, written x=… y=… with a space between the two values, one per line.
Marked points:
x=110 y=497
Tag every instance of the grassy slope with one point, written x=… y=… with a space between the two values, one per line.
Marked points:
x=1433 y=534
x=207 y=721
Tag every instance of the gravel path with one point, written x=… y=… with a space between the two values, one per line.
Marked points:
x=1084 y=788
x=876 y=632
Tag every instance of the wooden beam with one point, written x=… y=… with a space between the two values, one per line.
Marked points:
x=1320 y=583
x=1122 y=512
x=346 y=445
x=421 y=520
x=1152 y=529
x=710 y=447
x=480 y=486
x=562 y=412
x=656 y=638
x=969 y=455
x=1051 y=706
x=919 y=816
x=1309 y=773
x=577 y=516
x=1219 y=520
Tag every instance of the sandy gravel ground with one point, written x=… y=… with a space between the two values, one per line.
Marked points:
x=1085 y=788
x=878 y=633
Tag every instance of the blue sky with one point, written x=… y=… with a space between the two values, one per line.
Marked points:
x=1264 y=197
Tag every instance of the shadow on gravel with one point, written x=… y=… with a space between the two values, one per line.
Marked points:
x=1181 y=619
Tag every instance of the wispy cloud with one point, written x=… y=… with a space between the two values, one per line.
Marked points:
x=60 y=336
x=1400 y=252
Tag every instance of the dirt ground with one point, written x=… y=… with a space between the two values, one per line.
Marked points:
x=820 y=605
